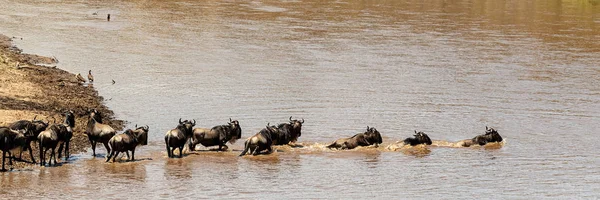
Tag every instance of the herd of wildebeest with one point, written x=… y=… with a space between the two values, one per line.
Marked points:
x=20 y=134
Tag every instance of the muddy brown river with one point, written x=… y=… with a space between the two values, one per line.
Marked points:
x=448 y=68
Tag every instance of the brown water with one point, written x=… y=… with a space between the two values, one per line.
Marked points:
x=448 y=68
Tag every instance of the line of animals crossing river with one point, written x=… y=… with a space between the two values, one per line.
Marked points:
x=20 y=134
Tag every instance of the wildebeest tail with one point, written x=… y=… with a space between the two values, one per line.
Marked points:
x=167 y=139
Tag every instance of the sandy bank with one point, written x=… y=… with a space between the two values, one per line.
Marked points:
x=28 y=89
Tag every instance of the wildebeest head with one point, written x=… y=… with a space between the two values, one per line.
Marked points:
x=418 y=138
x=490 y=135
x=296 y=129
x=69 y=118
x=373 y=136
x=236 y=130
x=186 y=126
x=38 y=126
x=96 y=115
x=141 y=133
x=494 y=135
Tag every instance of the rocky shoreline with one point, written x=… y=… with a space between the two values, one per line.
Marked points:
x=29 y=88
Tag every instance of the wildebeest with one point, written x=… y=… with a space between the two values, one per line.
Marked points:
x=50 y=138
x=418 y=138
x=260 y=141
x=66 y=136
x=34 y=128
x=176 y=138
x=218 y=135
x=369 y=137
x=98 y=132
x=288 y=132
x=128 y=141
x=491 y=135
x=10 y=140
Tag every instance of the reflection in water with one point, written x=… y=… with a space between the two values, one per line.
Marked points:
x=177 y=169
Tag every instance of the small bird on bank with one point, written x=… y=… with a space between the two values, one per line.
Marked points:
x=80 y=78
x=90 y=76
x=108 y=18
x=113 y=81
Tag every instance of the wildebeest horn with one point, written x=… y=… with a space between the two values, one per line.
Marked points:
x=367 y=128
x=230 y=120
x=147 y=128
x=194 y=124
x=290 y=118
x=180 y=120
x=135 y=125
x=415 y=131
x=302 y=121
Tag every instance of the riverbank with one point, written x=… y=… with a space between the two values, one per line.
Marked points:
x=29 y=88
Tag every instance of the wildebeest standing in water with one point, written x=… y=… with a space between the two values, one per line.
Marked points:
x=418 y=138
x=10 y=140
x=128 y=141
x=34 y=127
x=369 y=137
x=98 y=132
x=66 y=137
x=50 y=138
x=491 y=135
x=263 y=140
x=176 y=138
x=288 y=132
x=218 y=135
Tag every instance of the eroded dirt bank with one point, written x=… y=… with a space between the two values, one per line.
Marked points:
x=29 y=88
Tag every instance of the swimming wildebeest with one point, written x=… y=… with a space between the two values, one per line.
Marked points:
x=218 y=135
x=491 y=135
x=176 y=138
x=369 y=137
x=50 y=138
x=419 y=138
x=34 y=128
x=98 y=132
x=128 y=141
x=10 y=140
x=260 y=141
x=288 y=132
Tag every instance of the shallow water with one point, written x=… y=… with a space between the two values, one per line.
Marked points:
x=448 y=68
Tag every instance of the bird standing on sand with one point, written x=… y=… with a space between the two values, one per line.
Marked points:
x=80 y=78
x=108 y=18
x=90 y=77
x=113 y=81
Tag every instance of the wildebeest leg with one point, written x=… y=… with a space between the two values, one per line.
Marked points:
x=107 y=147
x=46 y=151
x=110 y=155
x=30 y=152
x=93 y=148
x=127 y=153
x=133 y=154
x=53 y=155
x=3 y=158
x=180 y=151
x=60 y=148
x=41 y=154
x=270 y=149
x=116 y=154
x=67 y=152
